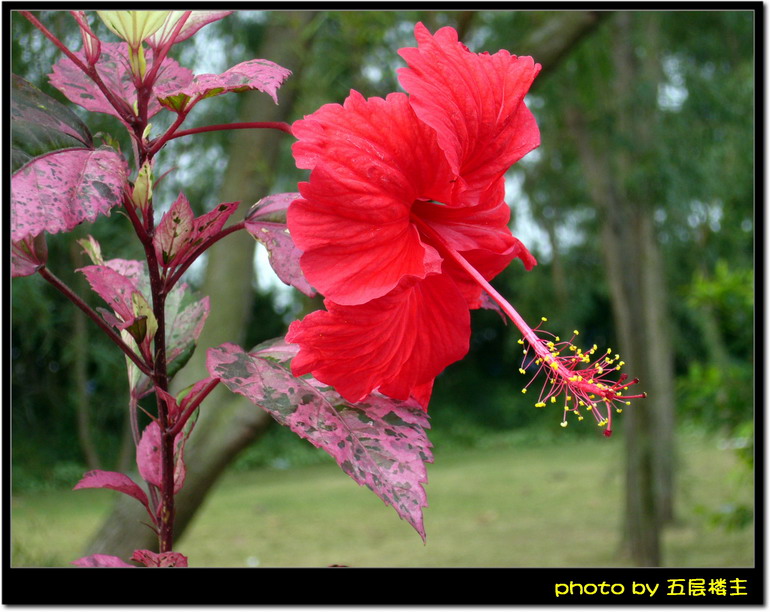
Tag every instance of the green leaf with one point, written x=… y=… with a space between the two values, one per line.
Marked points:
x=40 y=124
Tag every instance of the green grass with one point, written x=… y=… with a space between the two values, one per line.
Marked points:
x=507 y=505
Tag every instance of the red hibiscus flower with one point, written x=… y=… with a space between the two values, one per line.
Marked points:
x=403 y=220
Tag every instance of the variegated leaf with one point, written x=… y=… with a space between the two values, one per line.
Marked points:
x=266 y=222
x=56 y=192
x=115 y=71
x=380 y=443
x=263 y=75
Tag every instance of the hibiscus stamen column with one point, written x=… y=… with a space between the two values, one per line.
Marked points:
x=584 y=387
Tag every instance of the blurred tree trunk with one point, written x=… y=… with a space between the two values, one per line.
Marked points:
x=635 y=274
x=555 y=39
x=227 y=423
x=80 y=358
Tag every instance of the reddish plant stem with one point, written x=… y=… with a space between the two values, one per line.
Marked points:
x=119 y=105
x=160 y=380
x=160 y=53
x=192 y=407
x=273 y=125
x=157 y=145
x=78 y=301
x=174 y=278
x=138 y=224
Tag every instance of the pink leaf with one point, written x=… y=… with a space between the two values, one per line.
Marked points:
x=56 y=192
x=101 y=479
x=133 y=269
x=179 y=233
x=148 y=457
x=380 y=443
x=263 y=75
x=266 y=222
x=195 y=22
x=173 y=231
x=171 y=404
x=153 y=559
x=114 y=69
x=114 y=288
x=178 y=407
x=184 y=329
x=99 y=560
x=28 y=255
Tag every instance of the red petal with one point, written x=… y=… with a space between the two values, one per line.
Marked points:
x=481 y=234
x=398 y=343
x=474 y=102
x=370 y=160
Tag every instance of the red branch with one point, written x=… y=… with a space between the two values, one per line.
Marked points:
x=78 y=301
x=273 y=125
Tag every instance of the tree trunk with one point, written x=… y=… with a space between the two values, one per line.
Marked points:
x=227 y=423
x=635 y=275
x=80 y=365
x=551 y=42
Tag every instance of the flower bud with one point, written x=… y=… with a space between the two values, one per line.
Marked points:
x=91 y=44
x=142 y=192
x=133 y=26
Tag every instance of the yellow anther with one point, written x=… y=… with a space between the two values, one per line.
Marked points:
x=564 y=423
x=569 y=398
x=628 y=403
x=553 y=399
x=523 y=390
x=520 y=341
x=618 y=410
x=540 y=405
x=557 y=338
x=576 y=332
x=543 y=319
x=580 y=418
x=555 y=365
x=522 y=371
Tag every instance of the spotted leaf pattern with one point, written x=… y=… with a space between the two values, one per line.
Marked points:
x=260 y=74
x=380 y=443
x=179 y=232
x=266 y=222
x=56 y=192
x=115 y=71
x=149 y=558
